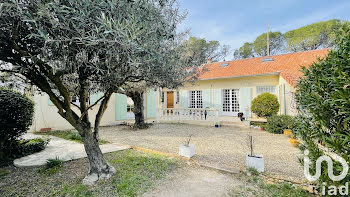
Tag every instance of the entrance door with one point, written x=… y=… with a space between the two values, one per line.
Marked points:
x=170 y=100
x=230 y=102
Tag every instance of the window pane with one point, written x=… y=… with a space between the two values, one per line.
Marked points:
x=235 y=102
x=263 y=89
x=199 y=100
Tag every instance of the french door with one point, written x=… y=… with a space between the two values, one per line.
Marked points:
x=230 y=103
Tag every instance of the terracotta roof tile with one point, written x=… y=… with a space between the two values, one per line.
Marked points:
x=288 y=65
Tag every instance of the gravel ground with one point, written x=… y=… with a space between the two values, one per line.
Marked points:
x=224 y=147
x=195 y=181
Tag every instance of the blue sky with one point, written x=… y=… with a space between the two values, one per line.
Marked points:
x=234 y=22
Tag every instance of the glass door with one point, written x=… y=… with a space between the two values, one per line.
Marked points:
x=230 y=103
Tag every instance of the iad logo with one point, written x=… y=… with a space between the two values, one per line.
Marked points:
x=330 y=167
x=332 y=190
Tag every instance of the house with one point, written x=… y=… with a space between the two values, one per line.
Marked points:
x=223 y=90
x=230 y=86
x=119 y=110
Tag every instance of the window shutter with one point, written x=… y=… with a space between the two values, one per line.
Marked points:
x=151 y=104
x=206 y=98
x=245 y=99
x=49 y=102
x=184 y=98
x=120 y=107
x=217 y=102
x=94 y=97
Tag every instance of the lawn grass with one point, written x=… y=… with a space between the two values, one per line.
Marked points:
x=136 y=173
x=68 y=135
x=256 y=186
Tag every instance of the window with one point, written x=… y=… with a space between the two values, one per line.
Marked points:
x=263 y=89
x=177 y=97
x=75 y=100
x=196 y=100
x=162 y=96
x=130 y=108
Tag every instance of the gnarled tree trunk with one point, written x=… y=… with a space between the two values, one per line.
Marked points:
x=99 y=168
x=137 y=97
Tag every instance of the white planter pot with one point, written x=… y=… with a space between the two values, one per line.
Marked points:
x=246 y=123
x=186 y=151
x=257 y=162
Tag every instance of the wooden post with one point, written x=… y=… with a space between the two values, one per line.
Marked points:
x=267 y=40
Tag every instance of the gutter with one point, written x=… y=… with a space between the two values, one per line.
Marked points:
x=243 y=76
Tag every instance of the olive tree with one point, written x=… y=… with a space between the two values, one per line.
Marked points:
x=74 y=48
x=157 y=76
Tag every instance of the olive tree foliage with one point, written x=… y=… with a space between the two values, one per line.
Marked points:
x=171 y=77
x=74 y=48
x=323 y=101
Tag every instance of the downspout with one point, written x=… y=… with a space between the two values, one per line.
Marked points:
x=211 y=96
x=284 y=99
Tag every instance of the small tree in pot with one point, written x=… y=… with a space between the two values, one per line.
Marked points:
x=187 y=149
x=254 y=160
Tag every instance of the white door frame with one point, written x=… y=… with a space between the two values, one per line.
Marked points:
x=229 y=111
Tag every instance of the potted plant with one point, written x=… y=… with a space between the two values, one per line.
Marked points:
x=253 y=160
x=287 y=132
x=187 y=149
x=294 y=141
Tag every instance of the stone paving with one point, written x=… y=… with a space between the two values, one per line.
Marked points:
x=60 y=148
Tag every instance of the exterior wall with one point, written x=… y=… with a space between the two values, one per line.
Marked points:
x=284 y=92
x=288 y=105
x=46 y=114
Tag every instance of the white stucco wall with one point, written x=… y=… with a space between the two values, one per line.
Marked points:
x=46 y=116
x=289 y=106
x=250 y=82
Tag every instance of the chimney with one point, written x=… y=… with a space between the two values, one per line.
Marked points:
x=209 y=61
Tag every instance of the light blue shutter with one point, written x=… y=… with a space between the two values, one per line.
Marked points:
x=120 y=107
x=49 y=102
x=184 y=98
x=217 y=100
x=206 y=98
x=151 y=104
x=94 y=97
x=279 y=98
x=283 y=99
x=245 y=99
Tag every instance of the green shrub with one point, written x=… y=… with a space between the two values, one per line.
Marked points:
x=74 y=136
x=3 y=173
x=52 y=166
x=34 y=145
x=276 y=124
x=323 y=101
x=54 y=163
x=265 y=105
x=16 y=115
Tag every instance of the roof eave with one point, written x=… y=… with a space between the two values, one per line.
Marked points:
x=242 y=76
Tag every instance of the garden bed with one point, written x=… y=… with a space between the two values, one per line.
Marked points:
x=68 y=135
x=136 y=173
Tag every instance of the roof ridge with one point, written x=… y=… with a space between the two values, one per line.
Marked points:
x=271 y=56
